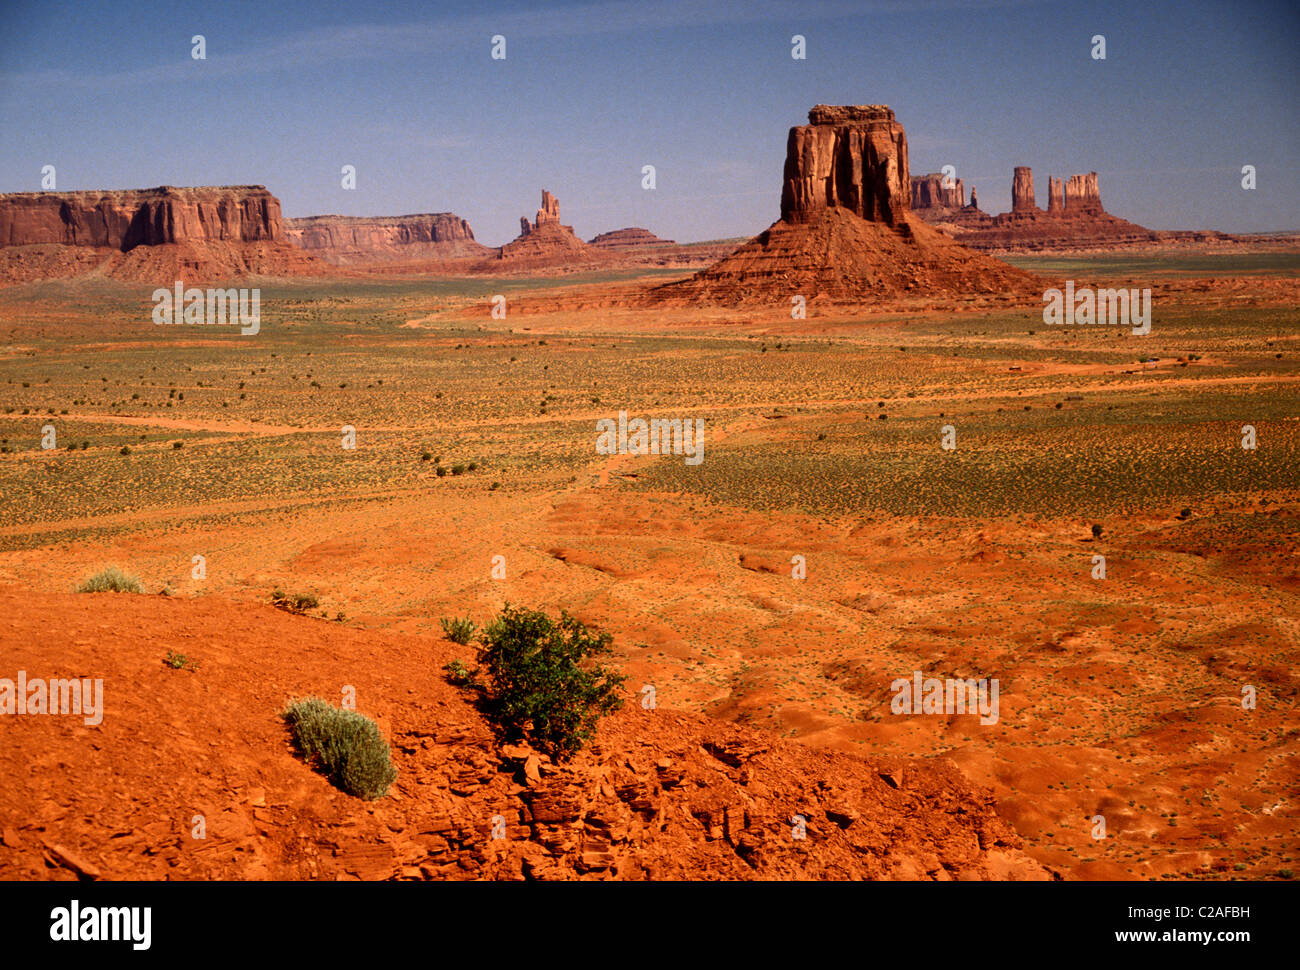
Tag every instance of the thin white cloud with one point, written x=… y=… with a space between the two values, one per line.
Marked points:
x=367 y=41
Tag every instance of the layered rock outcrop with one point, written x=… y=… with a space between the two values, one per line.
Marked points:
x=846 y=231
x=545 y=240
x=352 y=239
x=141 y=217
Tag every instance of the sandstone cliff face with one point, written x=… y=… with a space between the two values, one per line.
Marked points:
x=348 y=239
x=932 y=191
x=1022 y=190
x=852 y=157
x=145 y=217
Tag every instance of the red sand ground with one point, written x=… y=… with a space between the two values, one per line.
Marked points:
x=659 y=795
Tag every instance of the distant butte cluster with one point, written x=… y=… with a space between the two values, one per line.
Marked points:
x=1074 y=218
x=854 y=223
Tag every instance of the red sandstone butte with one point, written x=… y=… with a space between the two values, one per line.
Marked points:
x=847 y=157
x=361 y=239
x=1022 y=190
x=846 y=232
x=937 y=191
x=545 y=240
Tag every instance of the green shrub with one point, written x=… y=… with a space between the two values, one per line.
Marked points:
x=542 y=683
x=345 y=745
x=111 y=580
x=458 y=630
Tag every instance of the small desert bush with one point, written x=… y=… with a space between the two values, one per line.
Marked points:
x=459 y=674
x=345 y=745
x=543 y=683
x=180 y=661
x=295 y=602
x=111 y=580
x=458 y=630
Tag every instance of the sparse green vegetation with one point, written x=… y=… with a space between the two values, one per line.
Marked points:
x=543 y=681
x=294 y=603
x=345 y=745
x=180 y=661
x=111 y=579
x=458 y=630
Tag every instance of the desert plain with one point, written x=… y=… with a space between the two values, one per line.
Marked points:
x=826 y=545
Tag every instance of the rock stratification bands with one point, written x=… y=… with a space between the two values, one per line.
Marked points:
x=161 y=234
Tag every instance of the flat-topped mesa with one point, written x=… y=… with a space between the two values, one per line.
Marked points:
x=933 y=190
x=1022 y=190
x=348 y=239
x=141 y=217
x=852 y=157
x=1082 y=194
x=630 y=238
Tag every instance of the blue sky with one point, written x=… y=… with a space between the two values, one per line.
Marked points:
x=590 y=92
